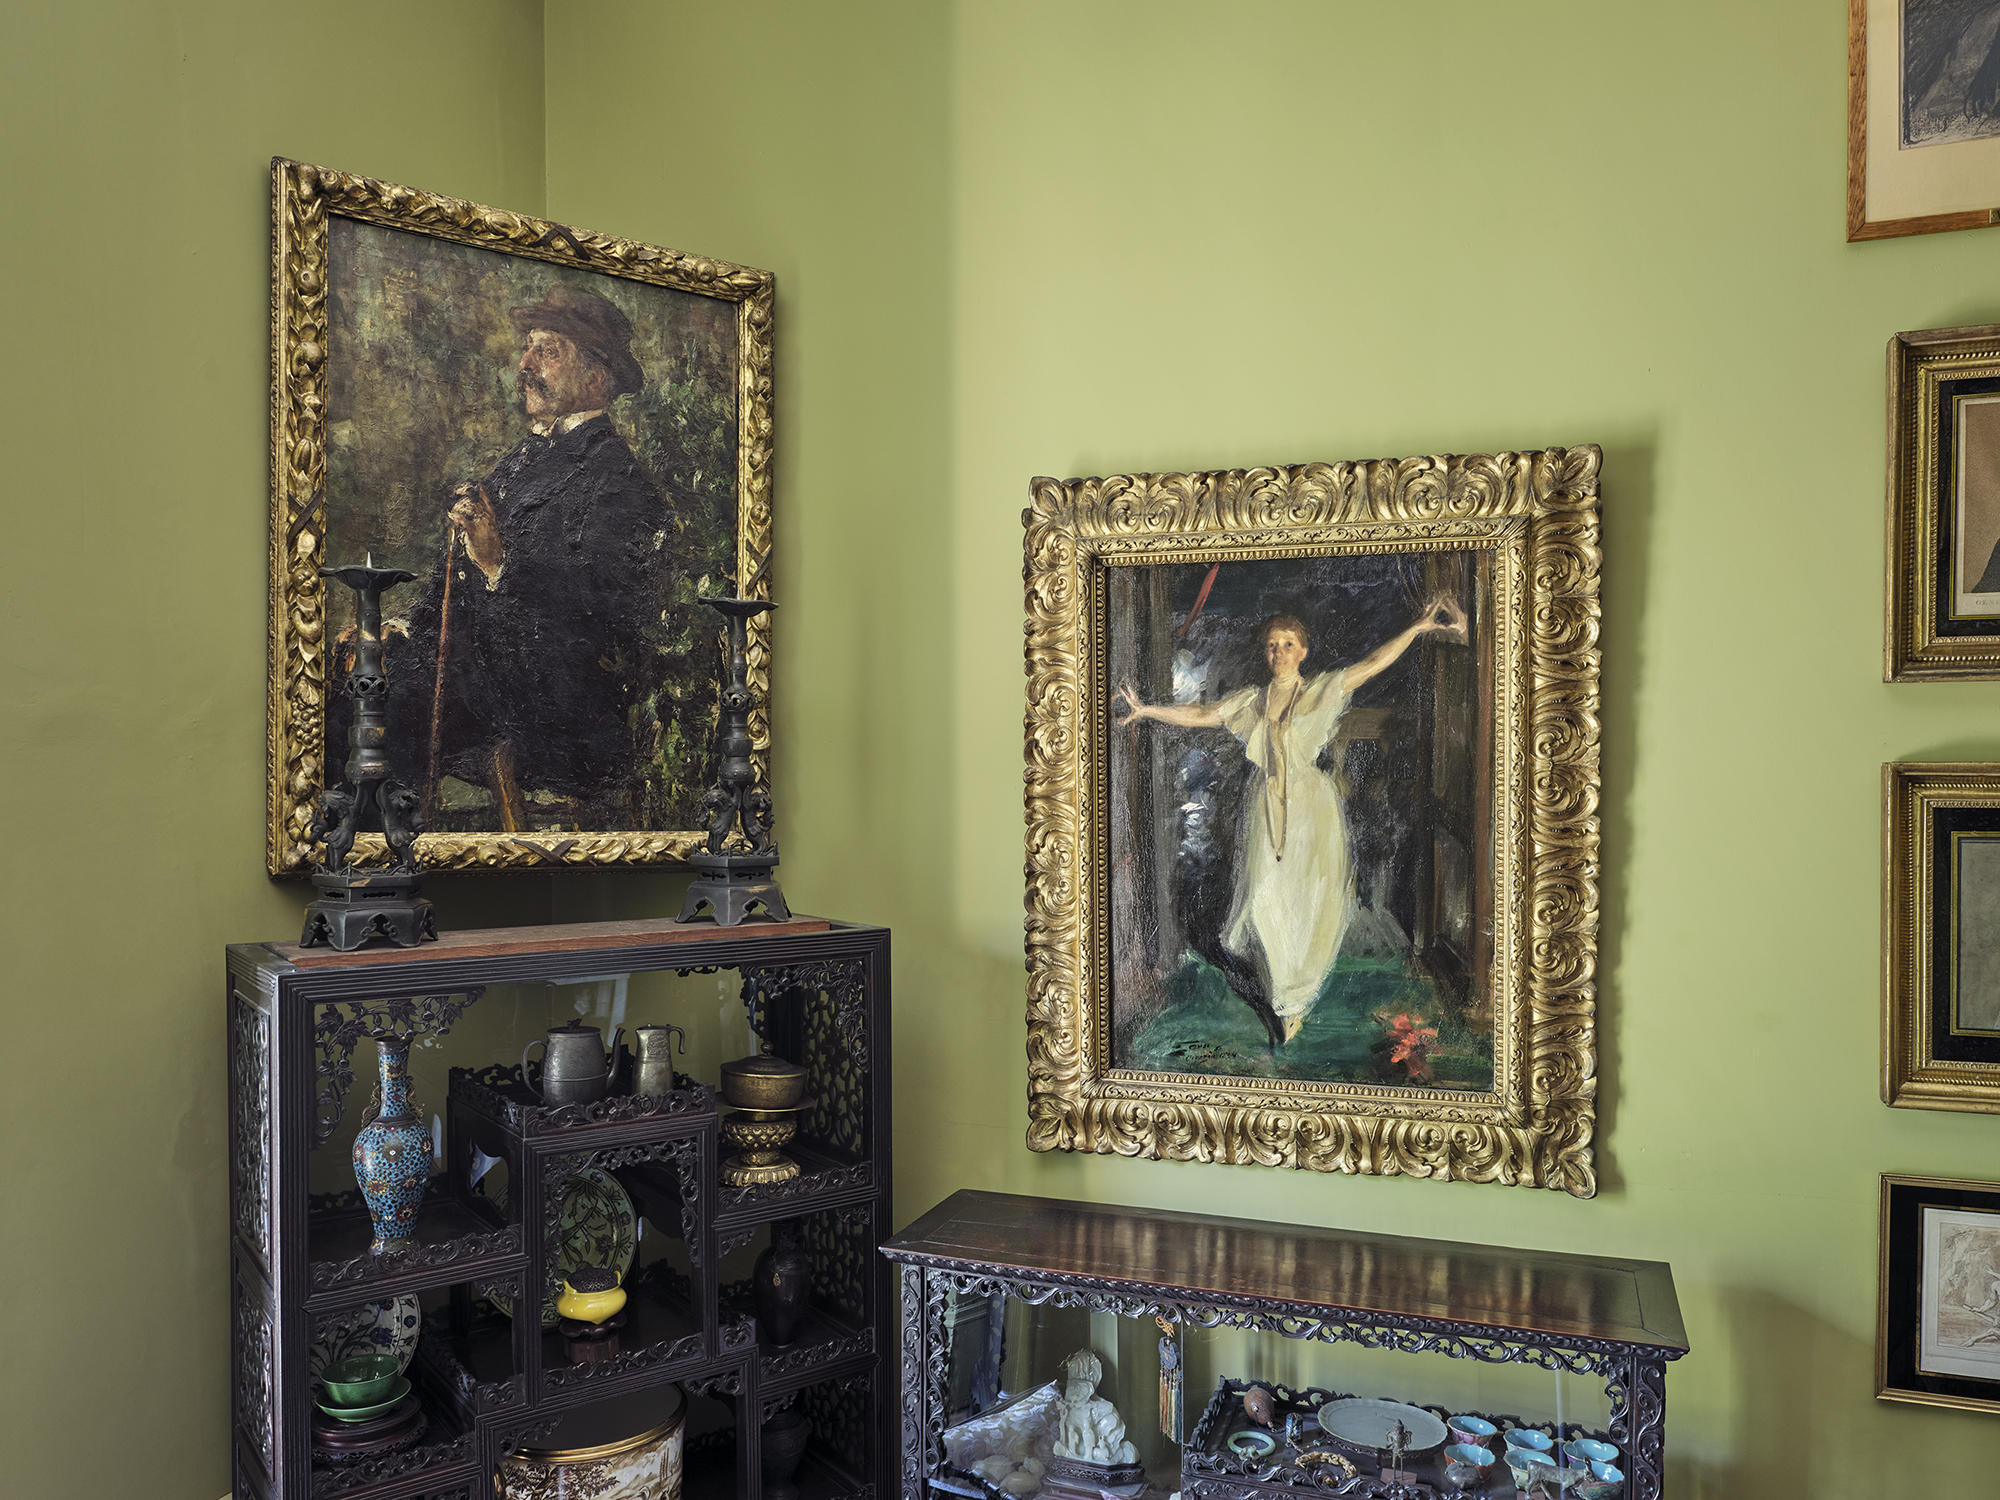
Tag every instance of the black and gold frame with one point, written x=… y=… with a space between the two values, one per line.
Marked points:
x=1941 y=937
x=1943 y=594
x=1937 y=1333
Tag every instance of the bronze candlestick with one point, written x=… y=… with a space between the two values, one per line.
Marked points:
x=732 y=880
x=356 y=906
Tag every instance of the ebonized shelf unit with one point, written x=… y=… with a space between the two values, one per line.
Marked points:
x=1585 y=1315
x=815 y=991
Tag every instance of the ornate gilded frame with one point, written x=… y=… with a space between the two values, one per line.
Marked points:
x=302 y=199
x=1538 y=513
x=1914 y=1076
x=1914 y=649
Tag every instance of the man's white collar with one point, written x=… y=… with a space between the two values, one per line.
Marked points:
x=558 y=426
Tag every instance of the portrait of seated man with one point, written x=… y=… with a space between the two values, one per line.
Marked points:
x=548 y=667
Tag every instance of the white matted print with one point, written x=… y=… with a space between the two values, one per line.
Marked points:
x=1960 y=1333
x=1976 y=502
x=1923 y=116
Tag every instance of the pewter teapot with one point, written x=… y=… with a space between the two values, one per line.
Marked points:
x=576 y=1068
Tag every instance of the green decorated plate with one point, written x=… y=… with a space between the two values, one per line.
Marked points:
x=599 y=1228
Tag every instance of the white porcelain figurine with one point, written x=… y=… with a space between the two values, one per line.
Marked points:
x=1089 y=1428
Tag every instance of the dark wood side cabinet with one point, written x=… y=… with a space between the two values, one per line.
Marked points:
x=493 y=1381
x=1557 y=1316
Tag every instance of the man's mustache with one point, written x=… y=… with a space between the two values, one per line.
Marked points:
x=532 y=383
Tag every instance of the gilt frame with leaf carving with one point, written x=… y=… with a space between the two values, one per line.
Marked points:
x=457 y=291
x=1532 y=519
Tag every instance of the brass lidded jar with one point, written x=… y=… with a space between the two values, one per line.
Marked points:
x=763 y=1082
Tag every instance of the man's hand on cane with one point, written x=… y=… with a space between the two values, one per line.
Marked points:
x=473 y=515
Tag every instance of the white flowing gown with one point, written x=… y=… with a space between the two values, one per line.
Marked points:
x=1294 y=879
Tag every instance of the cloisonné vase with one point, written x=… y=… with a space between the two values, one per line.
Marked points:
x=392 y=1153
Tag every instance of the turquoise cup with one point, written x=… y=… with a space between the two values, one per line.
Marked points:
x=1474 y=1430
x=1581 y=1453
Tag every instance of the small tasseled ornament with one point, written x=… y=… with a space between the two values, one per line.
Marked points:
x=1170 y=1380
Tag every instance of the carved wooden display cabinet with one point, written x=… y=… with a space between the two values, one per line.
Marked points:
x=1231 y=1296
x=489 y=1381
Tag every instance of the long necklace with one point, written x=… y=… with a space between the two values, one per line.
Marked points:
x=1276 y=817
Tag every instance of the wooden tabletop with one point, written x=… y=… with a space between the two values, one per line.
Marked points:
x=1316 y=1271
x=566 y=937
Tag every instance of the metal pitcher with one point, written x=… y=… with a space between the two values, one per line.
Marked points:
x=576 y=1069
x=654 y=1073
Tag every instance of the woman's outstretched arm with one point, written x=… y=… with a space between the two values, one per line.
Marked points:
x=1192 y=715
x=1443 y=615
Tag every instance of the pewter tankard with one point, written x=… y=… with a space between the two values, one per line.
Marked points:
x=653 y=1074
x=576 y=1069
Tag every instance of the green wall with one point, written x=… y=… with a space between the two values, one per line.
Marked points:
x=132 y=747
x=1181 y=235
x=1012 y=240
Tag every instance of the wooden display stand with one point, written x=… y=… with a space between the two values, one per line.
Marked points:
x=488 y=1383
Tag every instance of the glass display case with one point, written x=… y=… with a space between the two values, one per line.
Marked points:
x=1083 y=1352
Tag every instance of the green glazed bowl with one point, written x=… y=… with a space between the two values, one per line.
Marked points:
x=387 y=1404
x=360 y=1379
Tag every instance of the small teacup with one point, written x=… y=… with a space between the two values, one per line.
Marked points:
x=1463 y=1476
x=1474 y=1430
x=1465 y=1465
x=1530 y=1439
x=1580 y=1453
x=360 y=1379
x=1604 y=1482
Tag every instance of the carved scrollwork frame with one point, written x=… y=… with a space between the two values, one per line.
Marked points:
x=303 y=199
x=1538 y=514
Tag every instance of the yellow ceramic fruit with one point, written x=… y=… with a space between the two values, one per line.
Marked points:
x=591 y=1295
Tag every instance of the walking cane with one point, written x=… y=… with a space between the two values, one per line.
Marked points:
x=437 y=688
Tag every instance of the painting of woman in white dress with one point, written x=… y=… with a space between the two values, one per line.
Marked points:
x=1293 y=819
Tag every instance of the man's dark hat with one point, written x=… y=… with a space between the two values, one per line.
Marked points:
x=590 y=322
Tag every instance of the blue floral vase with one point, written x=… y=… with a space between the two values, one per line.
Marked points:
x=392 y=1153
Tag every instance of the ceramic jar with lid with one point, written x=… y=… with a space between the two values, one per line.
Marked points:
x=587 y=1458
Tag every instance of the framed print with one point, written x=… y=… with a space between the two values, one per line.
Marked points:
x=1923 y=116
x=1943 y=587
x=1312 y=771
x=1941 y=936
x=1937 y=1336
x=566 y=438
